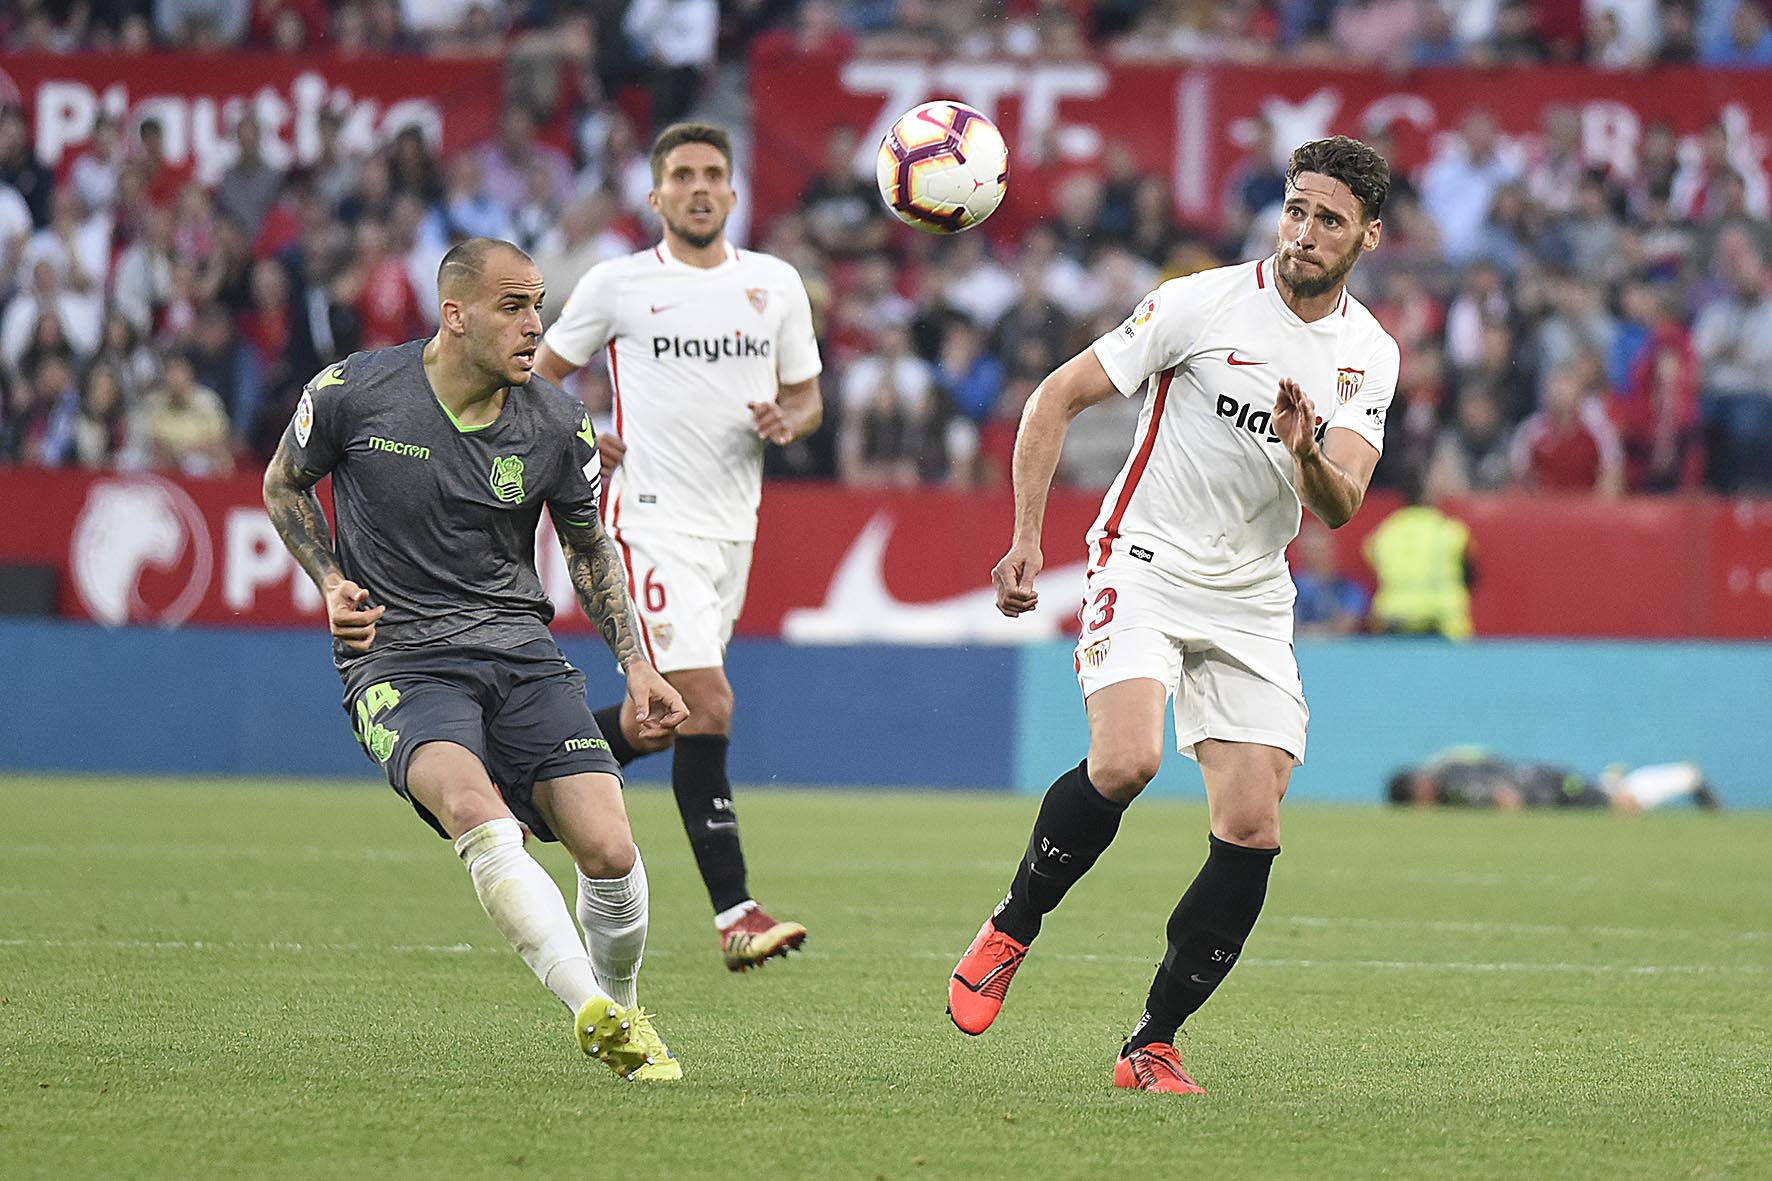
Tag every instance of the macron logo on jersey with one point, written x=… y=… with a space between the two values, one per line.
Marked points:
x=710 y=348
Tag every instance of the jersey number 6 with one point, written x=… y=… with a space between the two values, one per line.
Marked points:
x=654 y=592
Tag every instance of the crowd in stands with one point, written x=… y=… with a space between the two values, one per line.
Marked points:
x=1563 y=327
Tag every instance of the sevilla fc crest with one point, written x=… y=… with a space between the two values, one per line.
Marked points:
x=1095 y=655
x=759 y=297
x=662 y=634
x=1347 y=383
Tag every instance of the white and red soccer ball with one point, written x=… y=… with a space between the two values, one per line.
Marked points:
x=943 y=167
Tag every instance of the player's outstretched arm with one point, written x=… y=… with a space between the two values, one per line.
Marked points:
x=601 y=583
x=1079 y=383
x=1332 y=475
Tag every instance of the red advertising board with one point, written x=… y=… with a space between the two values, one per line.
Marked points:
x=853 y=565
x=1193 y=123
x=197 y=97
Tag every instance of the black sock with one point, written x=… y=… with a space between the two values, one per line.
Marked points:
x=704 y=797
x=1206 y=934
x=1075 y=826
x=609 y=723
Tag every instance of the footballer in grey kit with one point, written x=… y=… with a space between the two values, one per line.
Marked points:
x=443 y=454
x=438 y=521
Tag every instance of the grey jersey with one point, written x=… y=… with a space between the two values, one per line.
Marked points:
x=436 y=521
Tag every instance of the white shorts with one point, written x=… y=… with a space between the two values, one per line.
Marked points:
x=1227 y=661
x=689 y=592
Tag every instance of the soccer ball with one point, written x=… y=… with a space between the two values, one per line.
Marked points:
x=943 y=167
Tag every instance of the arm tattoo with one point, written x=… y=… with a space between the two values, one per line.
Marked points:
x=296 y=513
x=601 y=582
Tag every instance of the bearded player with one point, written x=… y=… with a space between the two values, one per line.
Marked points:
x=1188 y=595
x=711 y=355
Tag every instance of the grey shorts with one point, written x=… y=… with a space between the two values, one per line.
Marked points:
x=522 y=712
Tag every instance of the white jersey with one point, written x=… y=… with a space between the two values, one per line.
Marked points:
x=1207 y=493
x=689 y=348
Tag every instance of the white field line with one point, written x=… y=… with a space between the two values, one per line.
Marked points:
x=1451 y=966
x=1444 y=966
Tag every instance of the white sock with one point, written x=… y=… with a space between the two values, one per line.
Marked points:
x=614 y=913
x=732 y=914
x=1653 y=786
x=526 y=906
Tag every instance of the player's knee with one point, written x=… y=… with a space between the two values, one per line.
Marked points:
x=1254 y=829
x=710 y=711
x=1121 y=773
x=608 y=854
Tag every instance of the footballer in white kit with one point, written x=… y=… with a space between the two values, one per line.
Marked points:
x=711 y=356
x=1265 y=389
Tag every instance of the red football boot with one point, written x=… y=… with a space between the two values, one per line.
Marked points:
x=1156 y=1067
x=981 y=979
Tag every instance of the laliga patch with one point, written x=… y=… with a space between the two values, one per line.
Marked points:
x=1142 y=316
x=1095 y=655
x=304 y=418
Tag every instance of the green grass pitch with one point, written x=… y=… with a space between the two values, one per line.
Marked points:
x=277 y=979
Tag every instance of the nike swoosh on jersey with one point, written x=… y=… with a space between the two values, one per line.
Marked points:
x=1232 y=360
x=661 y=307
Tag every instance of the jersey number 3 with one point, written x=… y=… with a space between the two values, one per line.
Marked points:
x=1104 y=604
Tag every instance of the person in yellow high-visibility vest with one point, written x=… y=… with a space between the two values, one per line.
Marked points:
x=1422 y=558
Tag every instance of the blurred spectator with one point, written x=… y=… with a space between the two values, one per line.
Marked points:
x=249 y=187
x=99 y=429
x=377 y=286
x=338 y=167
x=468 y=212
x=1700 y=186
x=413 y=169
x=1733 y=337
x=202 y=24
x=1516 y=39
x=1748 y=41
x=19 y=168
x=1679 y=34
x=98 y=169
x=143 y=285
x=1436 y=40
x=1329 y=603
x=584 y=236
x=1570 y=445
x=508 y=163
x=891 y=430
x=40 y=428
x=677 y=39
x=78 y=246
x=1424 y=564
x=1658 y=414
x=969 y=377
x=15 y=231
x=45 y=306
x=182 y=425
x=844 y=215
x=1474 y=453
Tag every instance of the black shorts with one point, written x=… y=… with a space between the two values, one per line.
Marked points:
x=521 y=711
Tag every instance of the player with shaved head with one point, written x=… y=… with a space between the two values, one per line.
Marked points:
x=443 y=454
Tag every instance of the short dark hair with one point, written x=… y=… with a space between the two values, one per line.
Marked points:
x=1362 y=170
x=466 y=261
x=678 y=134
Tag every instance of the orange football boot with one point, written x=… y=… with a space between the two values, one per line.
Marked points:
x=1156 y=1067
x=981 y=979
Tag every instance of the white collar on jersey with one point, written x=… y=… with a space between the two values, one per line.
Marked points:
x=670 y=260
